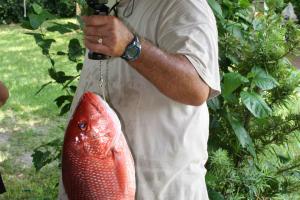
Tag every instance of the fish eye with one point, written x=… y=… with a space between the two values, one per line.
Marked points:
x=82 y=125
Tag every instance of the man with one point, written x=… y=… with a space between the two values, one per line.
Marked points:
x=160 y=92
x=3 y=97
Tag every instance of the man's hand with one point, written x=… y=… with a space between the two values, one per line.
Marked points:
x=113 y=35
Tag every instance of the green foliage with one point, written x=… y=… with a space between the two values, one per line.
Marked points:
x=74 y=53
x=47 y=153
x=238 y=181
x=241 y=134
x=12 y=11
x=37 y=18
x=38 y=23
x=257 y=82
x=28 y=120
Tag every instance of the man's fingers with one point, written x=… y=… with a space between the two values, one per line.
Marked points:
x=97 y=40
x=93 y=39
x=95 y=20
x=95 y=31
x=98 y=48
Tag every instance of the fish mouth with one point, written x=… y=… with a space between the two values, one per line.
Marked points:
x=90 y=96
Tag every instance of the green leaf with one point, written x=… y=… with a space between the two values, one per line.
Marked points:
x=262 y=79
x=232 y=81
x=65 y=109
x=73 y=88
x=63 y=78
x=214 y=104
x=75 y=50
x=35 y=21
x=256 y=104
x=60 y=76
x=46 y=15
x=283 y=158
x=63 y=28
x=214 y=195
x=26 y=24
x=47 y=153
x=242 y=134
x=257 y=24
x=235 y=29
x=37 y=8
x=61 y=53
x=40 y=159
x=216 y=7
x=79 y=67
x=52 y=73
x=44 y=44
x=244 y=3
x=62 y=99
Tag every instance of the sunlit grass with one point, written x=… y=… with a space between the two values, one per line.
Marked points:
x=29 y=120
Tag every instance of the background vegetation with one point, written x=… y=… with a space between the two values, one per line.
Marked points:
x=254 y=142
x=29 y=120
x=12 y=11
x=254 y=145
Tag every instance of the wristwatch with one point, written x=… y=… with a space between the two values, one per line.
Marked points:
x=133 y=50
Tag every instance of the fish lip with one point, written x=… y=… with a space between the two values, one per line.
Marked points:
x=92 y=101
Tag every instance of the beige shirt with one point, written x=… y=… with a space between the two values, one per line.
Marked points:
x=168 y=139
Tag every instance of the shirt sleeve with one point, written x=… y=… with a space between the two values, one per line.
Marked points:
x=189 y=28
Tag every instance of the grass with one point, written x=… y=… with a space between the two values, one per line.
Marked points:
x=29 y=120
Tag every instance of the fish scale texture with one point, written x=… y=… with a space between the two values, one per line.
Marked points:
x=97 y=163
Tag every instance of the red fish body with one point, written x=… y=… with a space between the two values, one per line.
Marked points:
x=96 y=162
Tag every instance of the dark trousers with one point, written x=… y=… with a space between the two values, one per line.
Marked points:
x=2 y=187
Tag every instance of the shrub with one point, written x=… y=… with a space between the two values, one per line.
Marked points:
x=253 y=116
x=12 y=11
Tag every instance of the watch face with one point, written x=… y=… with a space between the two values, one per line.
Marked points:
x=132 y=52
